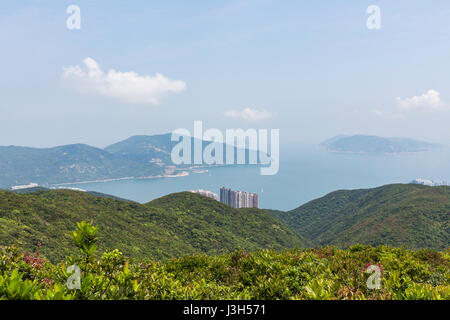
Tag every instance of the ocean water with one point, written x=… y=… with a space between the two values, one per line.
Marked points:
x=306 y=173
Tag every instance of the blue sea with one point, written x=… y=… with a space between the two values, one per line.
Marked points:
x=306 y=173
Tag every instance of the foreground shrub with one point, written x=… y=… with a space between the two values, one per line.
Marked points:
x=320 y=273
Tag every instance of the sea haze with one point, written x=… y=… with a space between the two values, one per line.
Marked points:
x=306 y=173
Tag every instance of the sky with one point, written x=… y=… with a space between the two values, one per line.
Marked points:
x=312 y=69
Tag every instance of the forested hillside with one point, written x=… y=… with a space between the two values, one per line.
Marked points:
x=175 y=225
x=408 y=215
x=70 y=163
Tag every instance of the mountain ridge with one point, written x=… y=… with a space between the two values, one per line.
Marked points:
x=398 y=214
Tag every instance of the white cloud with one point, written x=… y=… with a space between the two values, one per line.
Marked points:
x=127 y=87
x=249 y=114
x=429 y=101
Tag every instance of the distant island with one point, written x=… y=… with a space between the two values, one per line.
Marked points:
x=138 y=157
x=21 y=166
x=376 y=145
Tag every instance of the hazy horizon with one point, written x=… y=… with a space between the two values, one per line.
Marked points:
x=287 y=146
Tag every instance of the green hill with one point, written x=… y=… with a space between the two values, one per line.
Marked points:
x=70 y=163
x=412 y=215
x=175 y=225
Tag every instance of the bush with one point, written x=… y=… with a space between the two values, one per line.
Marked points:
x=320 y=273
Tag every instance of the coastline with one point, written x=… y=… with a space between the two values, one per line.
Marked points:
x=177 y=175
x=181 y=172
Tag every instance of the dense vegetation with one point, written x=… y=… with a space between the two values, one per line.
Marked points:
x=412 y=215
x=323 y=273
x=173 y=226
x=375 y=145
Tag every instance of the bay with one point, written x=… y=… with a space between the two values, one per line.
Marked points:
x=305 y=173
